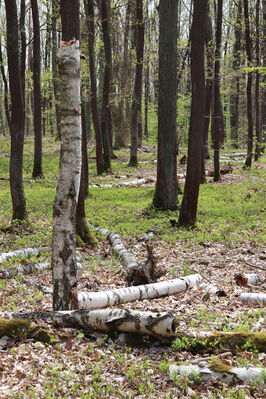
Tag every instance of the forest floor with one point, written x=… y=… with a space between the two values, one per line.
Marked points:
x=229 y=240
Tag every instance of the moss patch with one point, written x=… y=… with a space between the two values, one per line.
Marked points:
x=13 y=327
x=84 y=234
x=218 y=366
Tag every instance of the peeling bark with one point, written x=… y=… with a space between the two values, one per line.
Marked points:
x=92 y=300
x=244 y=279
x=156 y=324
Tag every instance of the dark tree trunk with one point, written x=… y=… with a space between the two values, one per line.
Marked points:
x=23 y=46
x=17 y=113
x=37 y=166
x=263 y=102
x=84 y=171
x=5 y=87
x=218 y=117
x=234 y=96
x=105 y=117
x=136 y=103
x=89 y=10
x=257 y=85
x=249 y=87
x=165 y=196
x=55 y=14
x=188 y=212
x=29 y=100
x=69 y=11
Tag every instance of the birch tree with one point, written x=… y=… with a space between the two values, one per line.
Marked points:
x=64 y=213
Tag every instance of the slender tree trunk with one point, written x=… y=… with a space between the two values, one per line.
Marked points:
x=28 y=100
x=23 y=46
x=217 y=95
x=136 y=103
x=55 y=14
x=257 y=85
x=17 y=113
x=89 y=9
x=263 y=100
x=147 y=75
x=37 y=167
x=105 y=116
x=165 y=196
x=188 y=212
x=7 y=113
x=249 y=87
x=234 y=95
x=64 y=213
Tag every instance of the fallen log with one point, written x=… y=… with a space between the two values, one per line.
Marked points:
x=26 y=252
x=211 y=289
x=23 y=328
x=159 y=324
x=92 y=300
x=229 y=375
x=27 y=269
x=246 y=278
x=250 y=297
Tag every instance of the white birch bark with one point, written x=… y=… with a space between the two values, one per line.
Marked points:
x=212 y=289
x=237 y=375
x=92 y=300
x=27 y=269
x=64 y=213
x=250 y=297
x=19 y=253
x=159 y=324
x=249 y=278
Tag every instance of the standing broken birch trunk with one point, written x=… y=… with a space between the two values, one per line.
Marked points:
x=64 y=213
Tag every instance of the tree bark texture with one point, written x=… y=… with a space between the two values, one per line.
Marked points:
x=263 y=102
x=69 y=11
x=217 y=95
x=188 y=212
x=37 y=166
x=165 y=196
x=89 y=300
x=105 y=114
x=160 y=324
x=22 y=46
x=257 y=85
x=89 y=10
x=17 y=113
x=235 y=88
x=255 y=298
x=26 y=252
x=64 y=214
x=137 y=93
x=248 y=161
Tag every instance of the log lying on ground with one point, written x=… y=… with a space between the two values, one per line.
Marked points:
x=136 y=273
x=250 y=297
x=92 y=300
x=229 y=375
x=160 y=324
x=27 y=269
x=22 y=328
x=211 y=340
x=245 y=279
x=211 y=289
x=26 y=252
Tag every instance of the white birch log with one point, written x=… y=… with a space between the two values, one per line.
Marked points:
x=212 y=289
x=90 y=300
x=250 y=297
x=246 y=278
x=27 y=269
x=19 y=253
x=64 y=220
x=237 y=375
x=159 y=324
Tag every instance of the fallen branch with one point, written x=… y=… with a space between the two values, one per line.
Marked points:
x=233 y=375
x=27 y=269
x=251 y=297
x=245 y=279
x=24 y=269
x=156 y=324
x=89 y=300
x=26 y=252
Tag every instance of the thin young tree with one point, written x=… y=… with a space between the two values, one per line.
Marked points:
x=136 y=102
x=218 y=113
x=64 y=212
x=188 y=211
x=17 y=113
x=37 y=165
x=165 y=196
x=257 y=84
x=89 y=10
x=248 y=161
x=55 y=14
